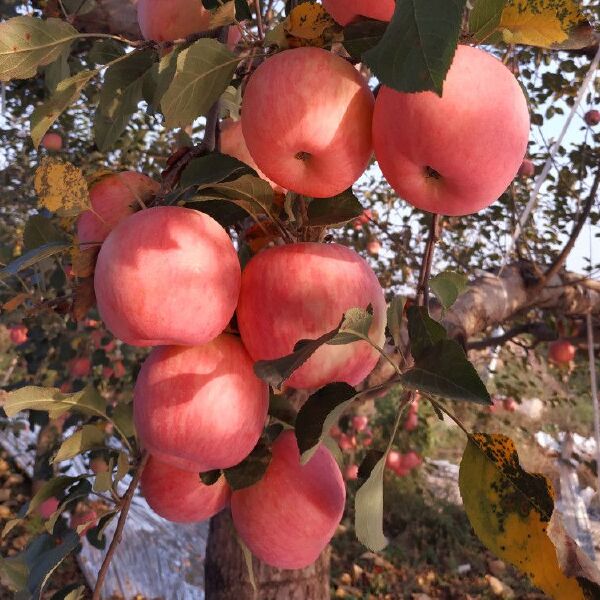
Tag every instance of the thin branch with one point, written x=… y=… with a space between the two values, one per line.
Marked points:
x=259 y=21
x=540 y=330
x=423 y=286
x=126 y=504
x=583 y=217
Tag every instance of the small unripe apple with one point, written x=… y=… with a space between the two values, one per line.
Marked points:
x=113 y=198
x=454 y=155
x=561 y=352
x=89 y=518
x=316 y=138
x=527 y=168
x=52 y=141
x=316 y=494
x=360 y=422
x=301 y=291
x=167 y=275
x=170 y=20
x=200 y=408
x=180 y=496
x=346 y=11
x=351 y=472
x=80 y=367
x=18 y=334
x=592 y=117
x=393 y=460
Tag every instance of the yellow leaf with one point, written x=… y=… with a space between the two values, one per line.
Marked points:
x=308 y=21
x=222 y=15
x=61 y=187
x=83 y=261
x=510 y=511
x=543 y=23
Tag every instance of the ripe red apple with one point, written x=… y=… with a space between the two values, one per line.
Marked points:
x=18 y=334
x=454 y=155
x=234 y=144
x=80 y=367
x=527 y=168
x=346 y=11
x=113 y=198
x=119 y=369
x=89 y=518
x=170 y=20
x=335 y=432
x=561 y=352
x=291 y=514
x=592 y=117
x=180 y=496
x=368 y=441
x=300 y=291
x=52 y=141
x=200 y=408
x=306 y=118
x=351 y=472
x=393 y=460
x=347 y=443
x=374 y=247
x=360 y=422
x=509 y=404
x=48 y=507
x=167 y=275
x=411 y=460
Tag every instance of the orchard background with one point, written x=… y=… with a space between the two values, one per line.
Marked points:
x=489 y=313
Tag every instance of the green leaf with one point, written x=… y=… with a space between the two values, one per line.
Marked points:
x=122 y=417
x=395 y=316
x=84 y=439
x=213 y=168
x=120 y=95
x=27 y=43
x=122 y=466
x=32 y=258
x=368 y=506
x=103 y=481
x=485 y=18
x=39 y=231
x=159 y=78
x=355 y=327
x=67 y=91
x=80 y=491
x=448 y=286
x=105 y=51
x=362 y=36
x=204 y=70
x=251 y=470
x=57 y=71
x=95 y=536
x=79 y=7
x=336 y=211
x=423 y=331
x=418 y=46
x=319 y=414
x=70 y=592
x=444 y=370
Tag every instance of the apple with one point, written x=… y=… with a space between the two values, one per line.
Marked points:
x=412 y=422
x=98 y=465
x=393 y=460
x=347 y=443
x=360 y=422
x=119 y=369
x=509 y=404
x=411 y=460
x=234 y=144
x=48 y=507
x=301 y=291
x=113 y=198
x=527 y=168
x=592 y=117
x=170 y=20
x=18 y=334
x=200 y=408
x=374 y=247
x=346 y=11
x=180 y=496
x=89 y=518
x=306 y=118
x=368 y=441
x=167 y=275
x=335 y=432
x=454 y=155
x=561 y=352
x=351 y=472
x=80 y=367
x=52 y=141
x=234 y=35
x=291 y=514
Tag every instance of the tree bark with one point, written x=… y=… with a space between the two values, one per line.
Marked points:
x=226 y=575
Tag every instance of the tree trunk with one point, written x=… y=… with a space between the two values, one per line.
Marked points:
x=226 y=575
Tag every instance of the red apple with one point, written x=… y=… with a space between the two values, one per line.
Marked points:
x=234 y=144
x=393 y=460
x=411 y=460
x=113 y=198
x=360 y=422
x=509 y=404
x=351 y=472
x=52 y=141
x=98 y=465
x=368 y=441
x=592 y=117
x=374 y=247
x=167 y=275
x=18 y=334
x=80 y=367
x=170 y=20
x=347 y=443
x=527 y=168
x=306 y=118
x=119 y=369
x=300 y=291
x=234 y=35
x=335 y=432
x=89 y=518
x=107 y=372
x=561 y=352
x=291 y=514
x=200 y=408
x=47 y=508
x=346 y=11
x=401 y=471
x=180 y=496
x=454 y=155
x=412 y=422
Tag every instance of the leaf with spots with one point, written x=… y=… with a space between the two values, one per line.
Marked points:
x=61 y=187
x=308 y=21
x=511 y=511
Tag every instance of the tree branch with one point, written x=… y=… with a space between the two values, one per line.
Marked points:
x=541 y=331
x=423 y=285
x=126 y=504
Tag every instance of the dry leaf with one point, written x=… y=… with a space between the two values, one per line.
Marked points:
x=84 y=299
x=83 y=261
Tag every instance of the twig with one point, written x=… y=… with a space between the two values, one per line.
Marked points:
x=259 y=21
x=126 y=504
x=423 y=287
x=539 y=329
